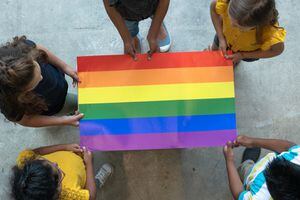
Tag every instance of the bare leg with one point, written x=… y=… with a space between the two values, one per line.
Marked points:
x=214 y=47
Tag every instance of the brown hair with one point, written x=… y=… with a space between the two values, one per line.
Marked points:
x=254 y=13
x=16 y=72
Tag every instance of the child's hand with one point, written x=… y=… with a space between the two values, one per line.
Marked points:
x=73 y=120
x=74 y=75
x=74 y=148
x=236 y=58
x=87 y=156
x=245 y=141
x=129 y=48
x=228 y=152
x=223 y=46
x=153 y=47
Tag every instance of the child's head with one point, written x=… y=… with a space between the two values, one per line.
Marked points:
x=19 y=75
x=283 y=179
x=248 y=14
x=37 y=179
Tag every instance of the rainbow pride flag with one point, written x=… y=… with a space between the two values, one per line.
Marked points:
x=176 y=100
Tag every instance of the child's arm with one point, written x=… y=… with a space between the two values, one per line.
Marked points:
x=275 y=50
x=157 y=20
x=43 y=120
x=278 y=146
x=235 y=183
x=218 y=24
x=119 y=23
x=60 y=147
x=57 y=62
x=90 y=179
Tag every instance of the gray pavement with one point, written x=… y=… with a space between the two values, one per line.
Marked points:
x=267 y=95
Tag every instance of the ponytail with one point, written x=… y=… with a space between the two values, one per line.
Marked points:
x=16 y=73
x=254 y=13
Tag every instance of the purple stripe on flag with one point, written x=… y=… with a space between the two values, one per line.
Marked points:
x=158 y=141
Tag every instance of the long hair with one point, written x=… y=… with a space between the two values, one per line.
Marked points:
x=34 y=181
x=16 y=72
x=254 y=13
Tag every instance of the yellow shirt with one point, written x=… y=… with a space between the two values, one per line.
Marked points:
x=246 y=40
x=73 y=167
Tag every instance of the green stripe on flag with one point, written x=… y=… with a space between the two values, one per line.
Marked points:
x=158 y=108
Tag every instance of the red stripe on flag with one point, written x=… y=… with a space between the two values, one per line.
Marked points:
x=159 y=60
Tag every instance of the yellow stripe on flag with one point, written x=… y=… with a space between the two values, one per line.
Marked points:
x=165 y=92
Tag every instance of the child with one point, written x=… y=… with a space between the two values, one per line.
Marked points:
x=33 y=86
x=247 y=27
x=276 y=176
x=57 y=172
x=126 y=14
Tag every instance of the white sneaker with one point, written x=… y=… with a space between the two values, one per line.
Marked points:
x=165 y=44
x=103 y=174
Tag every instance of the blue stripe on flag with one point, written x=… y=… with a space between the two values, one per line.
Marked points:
x=158 y=124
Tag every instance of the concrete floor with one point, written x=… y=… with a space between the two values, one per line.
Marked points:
x=267 y=95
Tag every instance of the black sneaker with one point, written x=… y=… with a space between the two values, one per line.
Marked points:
x=251 y=154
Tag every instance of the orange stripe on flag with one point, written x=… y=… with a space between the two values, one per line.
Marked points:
x=155 y=76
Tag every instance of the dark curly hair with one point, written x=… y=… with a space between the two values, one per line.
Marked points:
x=16 y=72
x=36 y=180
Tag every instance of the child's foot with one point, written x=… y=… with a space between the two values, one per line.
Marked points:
x=164 y=39
x=103 y=174
x=251 y=154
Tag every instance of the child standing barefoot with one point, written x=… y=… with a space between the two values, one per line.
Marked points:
x=247 y=27
x=33 y=86
x=126 y=14
x=276 y=176
x=57 y=172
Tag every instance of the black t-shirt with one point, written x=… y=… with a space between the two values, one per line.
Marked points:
x=135 y=10
x=52 y=88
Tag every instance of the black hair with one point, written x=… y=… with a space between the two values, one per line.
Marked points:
x=283 y=179
x=35 y=181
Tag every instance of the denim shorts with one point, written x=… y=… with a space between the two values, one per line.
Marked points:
x=216 y=42
x=133 y=27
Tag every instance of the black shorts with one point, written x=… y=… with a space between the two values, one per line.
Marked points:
x=216 y=42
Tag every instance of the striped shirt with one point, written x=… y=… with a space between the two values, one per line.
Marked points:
x=255 y=184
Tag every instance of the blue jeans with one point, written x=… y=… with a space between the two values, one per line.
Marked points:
x=133 y=27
